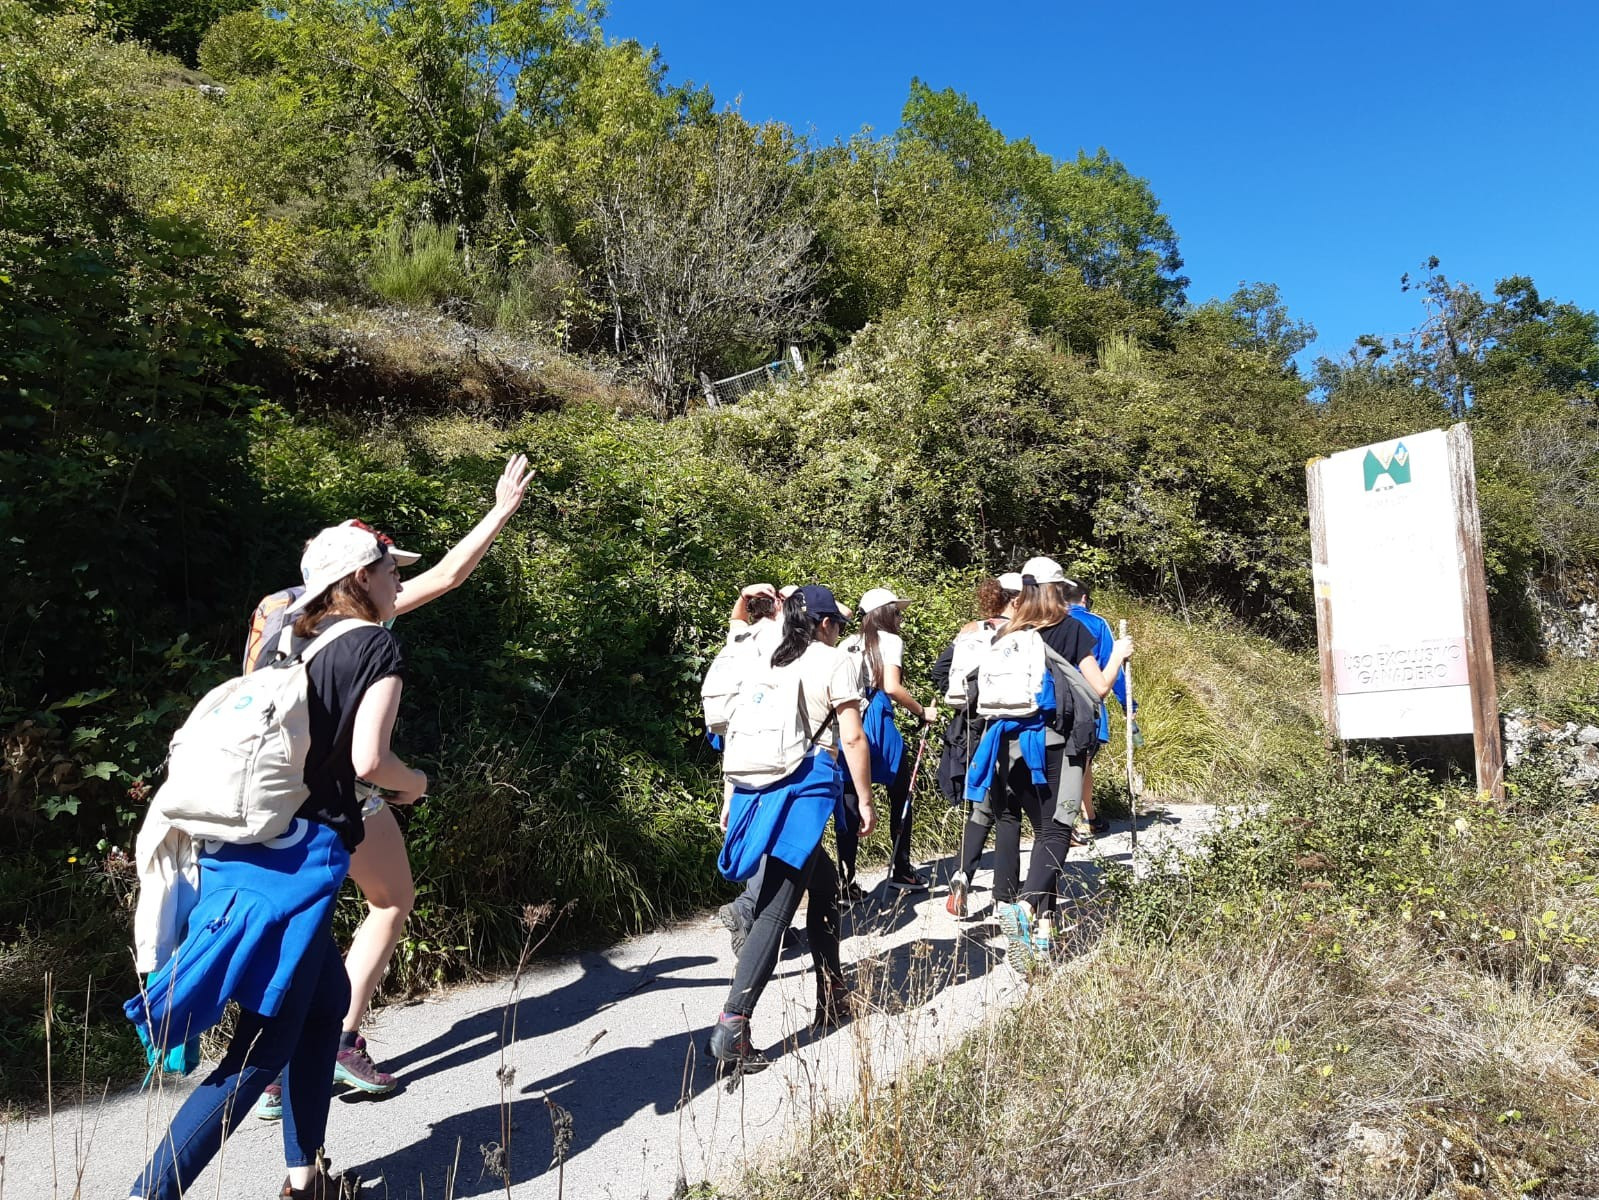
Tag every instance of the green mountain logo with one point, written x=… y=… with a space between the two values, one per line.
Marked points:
x=1387 y=469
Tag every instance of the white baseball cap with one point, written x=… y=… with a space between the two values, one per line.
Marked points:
x=337 y=551
x=1011 y=581
x=877 y=598
x=402 y=558
x=1043 y=570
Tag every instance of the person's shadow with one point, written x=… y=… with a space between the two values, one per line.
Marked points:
x=535 y=1013
x=601 y=1094
x=478 y=1152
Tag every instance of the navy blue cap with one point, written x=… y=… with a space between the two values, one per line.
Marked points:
x=819 y=602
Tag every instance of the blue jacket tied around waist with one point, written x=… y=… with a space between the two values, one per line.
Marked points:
x=883 y=737
x=261 y=907
x=1030 y=734
x=784 y=819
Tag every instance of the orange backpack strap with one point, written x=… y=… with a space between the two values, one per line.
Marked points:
x=266 y=622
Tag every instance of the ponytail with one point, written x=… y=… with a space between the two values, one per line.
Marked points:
x=884 y=619
x=799 y=631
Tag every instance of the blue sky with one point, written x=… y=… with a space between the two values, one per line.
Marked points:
x=1325 y=148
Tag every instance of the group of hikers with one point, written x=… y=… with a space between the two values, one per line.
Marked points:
x=282 y=783
x=803 y=712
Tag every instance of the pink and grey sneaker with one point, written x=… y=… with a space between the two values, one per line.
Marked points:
x=355 y=1067
x=270 y=1106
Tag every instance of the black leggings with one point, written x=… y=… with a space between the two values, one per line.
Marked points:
x=973 y=837
x=782 y=886
x=899 y=820
x=1059 y=797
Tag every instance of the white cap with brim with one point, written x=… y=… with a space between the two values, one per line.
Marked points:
x=1011 y=581
x=877 y=598
x=1043 y=570
x=337 y=551
x=402 y=558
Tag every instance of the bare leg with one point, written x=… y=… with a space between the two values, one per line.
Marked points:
x=382 y=871
x=1088 y=789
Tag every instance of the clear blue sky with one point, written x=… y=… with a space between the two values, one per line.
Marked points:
x=1325 y=148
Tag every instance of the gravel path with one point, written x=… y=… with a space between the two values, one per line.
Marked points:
x=612 y=1037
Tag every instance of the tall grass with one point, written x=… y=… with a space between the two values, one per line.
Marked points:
x=424 y=267
x=1375 y=987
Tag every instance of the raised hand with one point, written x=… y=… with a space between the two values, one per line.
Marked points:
x=508 y=492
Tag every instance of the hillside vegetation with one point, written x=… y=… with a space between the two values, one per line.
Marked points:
x=260 y=272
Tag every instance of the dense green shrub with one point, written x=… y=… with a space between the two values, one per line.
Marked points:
x=422 y=267
x=1508 y=887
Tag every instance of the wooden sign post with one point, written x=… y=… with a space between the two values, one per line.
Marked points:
x=1401 y=599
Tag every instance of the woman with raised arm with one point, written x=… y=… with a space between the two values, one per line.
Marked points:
x=382 y=869
x=260 y=932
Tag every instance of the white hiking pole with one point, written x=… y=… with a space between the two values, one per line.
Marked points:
x=921 y=745
x=1132 y=776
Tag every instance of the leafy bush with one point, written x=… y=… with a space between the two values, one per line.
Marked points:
x=1508 y=888
x=237 y=46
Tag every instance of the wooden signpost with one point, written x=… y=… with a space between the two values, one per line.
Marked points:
x=1401 y=600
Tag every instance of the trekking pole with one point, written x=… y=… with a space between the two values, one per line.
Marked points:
x=916 y=765
x=1132 y=777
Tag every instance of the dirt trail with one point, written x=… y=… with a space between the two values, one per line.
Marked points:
x=613 y=1038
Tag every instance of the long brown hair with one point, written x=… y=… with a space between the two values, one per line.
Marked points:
x=1040 y=606
x=346 y=598
x=883 y=619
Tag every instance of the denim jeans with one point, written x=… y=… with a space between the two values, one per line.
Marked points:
x=301 y=1043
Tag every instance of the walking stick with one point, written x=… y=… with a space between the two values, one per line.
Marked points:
x=1132 y=777
x=916 y=765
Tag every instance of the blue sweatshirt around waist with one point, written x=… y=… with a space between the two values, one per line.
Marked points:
x=1030 y=733
x=784 y=819
x=883 y=737
x=261 y=907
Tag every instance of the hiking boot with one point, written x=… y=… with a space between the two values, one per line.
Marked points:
x=356 y=1068
x=851 y=894
x=731 y=1047
x=907 y=880
x=1100 y=825
x=1082 y=832
x=324 y=1186
x=270 y=1106
x=955 y=906
x=833 y=1006
x=1018 y=929
x=736 y=929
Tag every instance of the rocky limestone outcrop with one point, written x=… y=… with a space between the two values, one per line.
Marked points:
x=1568 y=613
x=1574 y=746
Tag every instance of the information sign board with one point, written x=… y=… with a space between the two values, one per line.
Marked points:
x=1401 y=607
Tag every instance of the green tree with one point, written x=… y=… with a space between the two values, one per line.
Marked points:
x=433 y=92
x=706 y=251
x=1254 y=318
x=172 y=27
x=948 y=206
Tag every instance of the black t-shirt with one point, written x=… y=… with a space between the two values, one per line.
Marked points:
x=339 y=677
x=1070 y=639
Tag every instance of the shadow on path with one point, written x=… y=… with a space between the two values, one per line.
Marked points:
x=601 y=985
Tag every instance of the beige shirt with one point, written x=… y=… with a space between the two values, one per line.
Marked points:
x=828 y=677
x=890 y=648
